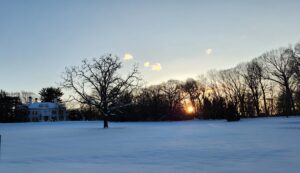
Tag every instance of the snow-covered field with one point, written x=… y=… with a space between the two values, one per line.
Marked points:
x=251 y=145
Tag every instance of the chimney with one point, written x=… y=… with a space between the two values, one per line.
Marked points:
x=30 y=100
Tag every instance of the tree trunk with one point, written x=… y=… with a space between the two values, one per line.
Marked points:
x=105 y=122
x=255 y=99
x=257 y=107
x=106 y=114
x=194 y=106
x=264 y=98
x=242 y=105
x=290 y=100
x=257 y=102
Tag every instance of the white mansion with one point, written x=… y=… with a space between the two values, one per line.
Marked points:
x=45 y=111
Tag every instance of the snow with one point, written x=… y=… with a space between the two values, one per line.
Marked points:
x=251 y=145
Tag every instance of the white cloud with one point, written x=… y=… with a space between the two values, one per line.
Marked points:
x=128 y=56
x=156 y=67
x=147 y=64
x=208 y=51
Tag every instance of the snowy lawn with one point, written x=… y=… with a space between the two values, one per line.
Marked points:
x=251 y=145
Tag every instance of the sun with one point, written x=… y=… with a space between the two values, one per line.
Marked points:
x=190 y=109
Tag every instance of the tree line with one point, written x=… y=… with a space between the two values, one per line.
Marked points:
x=268 y=85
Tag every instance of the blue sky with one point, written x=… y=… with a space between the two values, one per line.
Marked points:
x=38 y=39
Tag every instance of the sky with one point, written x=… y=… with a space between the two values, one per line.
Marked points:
x=168 y=39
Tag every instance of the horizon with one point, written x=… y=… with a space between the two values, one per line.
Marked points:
x=169 y=40
x=140 y=86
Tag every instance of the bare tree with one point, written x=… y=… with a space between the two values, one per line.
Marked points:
x=254 y=78
x=194 y=90
x=25 y=96
x=234 y=87
x=260 y=75
x=253 y=83
x=213 y=84
x=295 y=63
x=278 y=68
x=153 y=103
x=172 y=89
x=98 y=83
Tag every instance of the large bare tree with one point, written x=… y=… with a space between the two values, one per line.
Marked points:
x=98 y=83
x=173 y=91
x=278 y=67
x=252 y=80
x=295 y=63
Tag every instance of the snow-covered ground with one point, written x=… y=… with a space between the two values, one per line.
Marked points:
x=251 y=145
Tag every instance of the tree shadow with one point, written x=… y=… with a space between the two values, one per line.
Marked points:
x=292 y=122
x=290 y=128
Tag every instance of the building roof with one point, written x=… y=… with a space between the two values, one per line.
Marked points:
x=43 y=105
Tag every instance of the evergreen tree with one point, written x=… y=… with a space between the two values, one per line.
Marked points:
x=50 y=94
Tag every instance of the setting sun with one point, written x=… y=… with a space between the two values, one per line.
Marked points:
x=190 y=109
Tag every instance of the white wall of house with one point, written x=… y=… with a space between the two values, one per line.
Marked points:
x=46 y=111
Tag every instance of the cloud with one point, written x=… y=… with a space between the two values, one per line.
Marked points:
x=208 y=51
x=128 y=56
x=147 y=64
x=156 y=67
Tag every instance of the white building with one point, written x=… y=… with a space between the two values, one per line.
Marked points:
x=46 y=111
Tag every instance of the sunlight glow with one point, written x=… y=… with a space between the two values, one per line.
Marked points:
x=190 y=109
